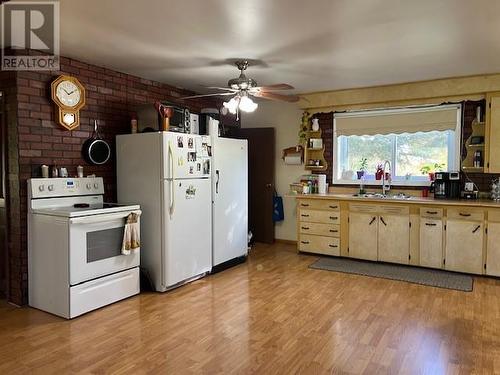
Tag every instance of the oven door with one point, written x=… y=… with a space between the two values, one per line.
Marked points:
x=95 y=246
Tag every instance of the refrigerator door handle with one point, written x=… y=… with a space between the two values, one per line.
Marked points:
x=217 y=182
x=171 y=181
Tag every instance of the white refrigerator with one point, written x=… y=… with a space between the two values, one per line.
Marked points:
x=230 y=200
x=169 y=174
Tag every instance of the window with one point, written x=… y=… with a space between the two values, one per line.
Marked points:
x=412 y=139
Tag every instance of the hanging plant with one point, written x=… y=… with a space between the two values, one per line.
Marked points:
x=304 y=128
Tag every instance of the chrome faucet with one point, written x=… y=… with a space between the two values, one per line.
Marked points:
x=386 y=188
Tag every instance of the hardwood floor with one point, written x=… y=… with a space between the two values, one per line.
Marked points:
x=271 y=315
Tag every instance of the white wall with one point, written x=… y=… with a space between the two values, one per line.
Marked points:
x=285 y=119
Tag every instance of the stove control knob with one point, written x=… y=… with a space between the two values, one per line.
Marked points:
x=89 y=186
x=51 y=187
x=96 y=186
x=41 y=188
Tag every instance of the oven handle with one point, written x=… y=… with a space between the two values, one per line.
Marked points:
x=102 y=218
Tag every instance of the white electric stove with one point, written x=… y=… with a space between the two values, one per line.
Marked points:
x=74 y=247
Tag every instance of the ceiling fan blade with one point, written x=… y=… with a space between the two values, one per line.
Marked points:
x=221 y=88
x=205 y=95
x=277 y=86
x=273 y=96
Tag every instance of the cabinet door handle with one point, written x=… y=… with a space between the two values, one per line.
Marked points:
x=431 y=224
x=304 y=205
x=382 y=220
x=306 y=228
x=476 y=229
x=333 y=245
x=431 y=212
x=462 y=214
x=305 y=242
x=333 y=230
x=333 y=217
x=333 y=207
x=304 y=215
x=371 y=222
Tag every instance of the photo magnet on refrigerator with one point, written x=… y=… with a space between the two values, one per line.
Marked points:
x=190 y=192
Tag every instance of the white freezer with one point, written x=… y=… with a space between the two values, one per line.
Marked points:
x=230 y=199
x=187 y=236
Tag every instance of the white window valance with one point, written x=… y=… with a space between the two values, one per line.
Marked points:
x=397 y=121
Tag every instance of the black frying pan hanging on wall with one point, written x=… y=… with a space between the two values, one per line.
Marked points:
x=96 y=150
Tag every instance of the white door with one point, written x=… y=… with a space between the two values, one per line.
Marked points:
x=431 y=243
x=363 y=231
x=464 y=246
x=230 y=199
x=394 y=238
x=187 y=227
x=185 y=155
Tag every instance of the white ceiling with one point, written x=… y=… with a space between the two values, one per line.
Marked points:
x=314 y=45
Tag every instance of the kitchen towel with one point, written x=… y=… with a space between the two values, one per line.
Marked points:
x=131 y=234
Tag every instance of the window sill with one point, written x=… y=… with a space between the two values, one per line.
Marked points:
x=417 y=184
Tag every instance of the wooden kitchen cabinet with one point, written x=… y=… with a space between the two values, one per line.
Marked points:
x=319 y=226
x=492 y=136
x=431 y=243
x=394 y=238
x=493 y=244
x=363 y=232
x=464 y=246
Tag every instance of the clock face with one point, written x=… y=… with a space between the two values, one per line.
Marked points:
x=68 y=93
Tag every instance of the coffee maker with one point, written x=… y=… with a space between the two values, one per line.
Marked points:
x=447 y=185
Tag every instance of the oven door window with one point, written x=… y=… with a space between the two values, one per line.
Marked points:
x=104 y=244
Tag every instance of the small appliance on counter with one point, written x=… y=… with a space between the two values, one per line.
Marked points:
x=470 y=191
x=447 y=185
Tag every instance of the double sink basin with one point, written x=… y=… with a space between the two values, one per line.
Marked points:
x=399 y=196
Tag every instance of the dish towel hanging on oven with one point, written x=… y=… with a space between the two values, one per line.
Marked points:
x=131 y=234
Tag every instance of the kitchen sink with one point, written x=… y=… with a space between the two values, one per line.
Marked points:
x=402 y=196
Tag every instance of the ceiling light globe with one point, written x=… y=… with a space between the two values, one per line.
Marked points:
x=247 y=104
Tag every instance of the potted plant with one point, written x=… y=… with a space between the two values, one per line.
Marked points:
x=363 y=164
x=379 y=172
x=430 y=169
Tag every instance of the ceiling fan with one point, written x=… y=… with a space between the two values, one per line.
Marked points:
x=242 y=88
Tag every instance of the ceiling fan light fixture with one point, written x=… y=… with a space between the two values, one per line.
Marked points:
x=231 y=105
x=247 y=104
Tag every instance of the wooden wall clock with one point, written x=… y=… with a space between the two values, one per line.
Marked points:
x=69 y=96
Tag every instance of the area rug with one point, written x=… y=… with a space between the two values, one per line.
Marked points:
x=416 y=275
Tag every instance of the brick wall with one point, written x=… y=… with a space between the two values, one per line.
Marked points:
x=482 y=180
x=110 y=96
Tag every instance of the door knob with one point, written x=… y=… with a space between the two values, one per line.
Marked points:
x=269 y=185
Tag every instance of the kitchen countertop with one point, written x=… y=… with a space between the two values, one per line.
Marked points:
x=413 y=200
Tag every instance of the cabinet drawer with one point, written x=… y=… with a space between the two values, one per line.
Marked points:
x=332 y=230
x=466 y=213
x=320 y=204
x=363 y=208
x=319 y=244
x=395 y=210
x=316 y=216
x=431 y=212
x=494 y=215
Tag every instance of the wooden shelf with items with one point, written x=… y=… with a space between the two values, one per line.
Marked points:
x=314 y=152
x=475 y=144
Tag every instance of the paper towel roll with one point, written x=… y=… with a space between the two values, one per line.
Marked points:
x=322 y=183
